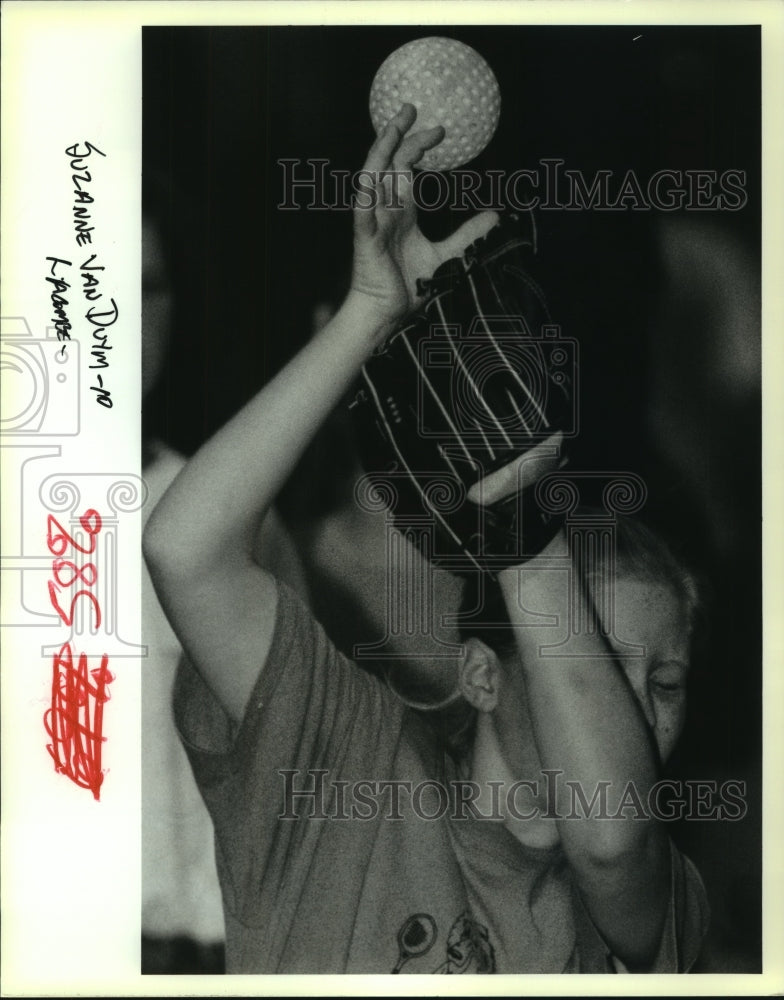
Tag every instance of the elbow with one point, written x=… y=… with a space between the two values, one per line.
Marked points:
x=177 y=556
x=607 y=846
x=162 y=549
x=153 y=546
x=171 y=568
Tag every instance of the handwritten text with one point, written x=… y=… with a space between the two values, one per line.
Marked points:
x=82 y=197
x=75 y=720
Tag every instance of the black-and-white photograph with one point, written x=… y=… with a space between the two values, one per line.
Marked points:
x=452 y=435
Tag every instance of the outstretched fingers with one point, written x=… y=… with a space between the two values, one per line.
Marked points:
x=389 y=138
x=397 y=208
x=379 y=162
x=387 y=177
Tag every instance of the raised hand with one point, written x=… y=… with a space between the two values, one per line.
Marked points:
x=390 y=252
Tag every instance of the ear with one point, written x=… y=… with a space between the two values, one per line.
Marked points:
x=480 y=675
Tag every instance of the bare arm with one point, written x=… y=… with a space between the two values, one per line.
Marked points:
x=199 y=542
x=588 y=724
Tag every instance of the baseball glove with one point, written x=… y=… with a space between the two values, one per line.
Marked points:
x=474 y=379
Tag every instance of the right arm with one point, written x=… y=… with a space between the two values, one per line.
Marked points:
x=199 y=541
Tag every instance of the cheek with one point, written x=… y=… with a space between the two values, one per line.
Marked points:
x=670 y=717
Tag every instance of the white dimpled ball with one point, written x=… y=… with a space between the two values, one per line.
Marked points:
x=449 y=84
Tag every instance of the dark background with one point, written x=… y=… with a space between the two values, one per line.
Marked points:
x=222 y=105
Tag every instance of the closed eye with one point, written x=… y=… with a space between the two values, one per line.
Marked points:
x=667 y=686
x=669 y=676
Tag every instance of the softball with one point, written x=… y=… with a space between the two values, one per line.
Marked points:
x=449 y=84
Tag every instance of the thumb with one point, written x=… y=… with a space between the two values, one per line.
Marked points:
x=477 y=226
x=520 y=473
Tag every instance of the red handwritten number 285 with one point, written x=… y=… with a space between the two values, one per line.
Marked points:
x=58 y=544
x=75 y=720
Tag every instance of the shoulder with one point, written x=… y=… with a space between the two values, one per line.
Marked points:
x=306 y=686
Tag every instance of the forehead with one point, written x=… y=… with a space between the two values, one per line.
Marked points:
x=651 y=615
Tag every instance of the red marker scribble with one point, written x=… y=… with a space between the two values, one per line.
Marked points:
x=75 y=720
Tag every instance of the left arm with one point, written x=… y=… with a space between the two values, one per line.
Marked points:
x=588 y=725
